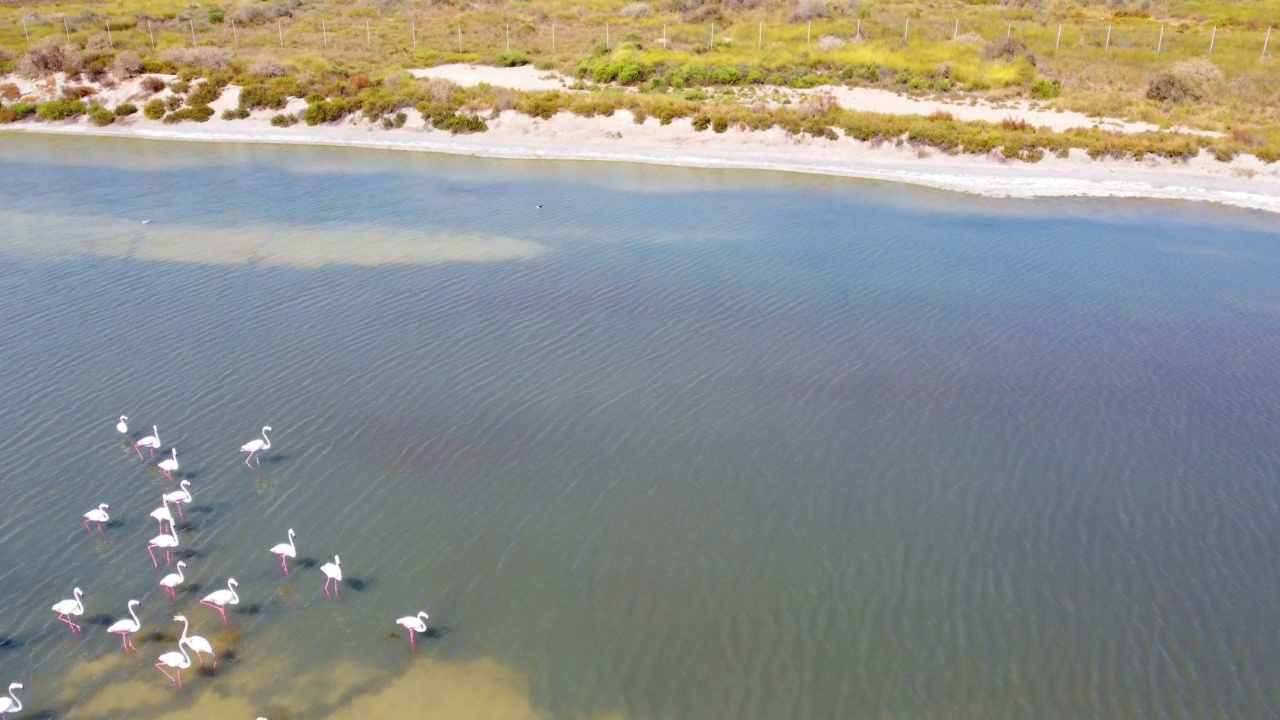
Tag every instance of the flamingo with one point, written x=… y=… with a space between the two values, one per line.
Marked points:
x=168 y=542
x=333 y=573
x=220 y=599
x=169 y=466
x=254 y=446
x=66 y=608
x=179 y=660
x=414 y=624
x=10 y=704
x=98 y=515
x=177 y=497
x=150 y=442
x=124 y=628
x=162 y=514
x=197 y=644
x=173 y=580
x=122 y=427
x=286 y=551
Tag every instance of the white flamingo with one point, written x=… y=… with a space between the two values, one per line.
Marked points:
x=198 y=645
x=220 y=599
x=173 y=580
x=67 y=608
x=162 y=514
x=178 y=660
x=122 y=427
x=333 y=573
x=167 y=541
x=169 y=466
x=414 y=624
x=255 y=446
x=150 y=442
x=286 y=551
x=178 y=497
x=10 y=704
x=125 y=628
x=98 y=515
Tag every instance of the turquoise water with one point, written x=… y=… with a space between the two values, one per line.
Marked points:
x=679 y=444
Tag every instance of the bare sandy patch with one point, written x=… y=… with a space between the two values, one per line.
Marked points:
x=524 y=77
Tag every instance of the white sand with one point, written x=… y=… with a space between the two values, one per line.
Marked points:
x=1243 y=182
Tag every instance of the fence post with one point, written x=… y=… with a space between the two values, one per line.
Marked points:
x=193 y=30
x=760 y=41
x=906 y=27
x=606 y=37
x=1212 y=38
x=858 y=33
x=664 y=37
x=24 y=32
x=324 y=33
x=712 y=46
x=1266 y=42
x=1059 y=40
x=553 y=37
x=153 y=35
x=956 y=33
x=368 y=39
x=508 y=37
x=413 y=30
x=1160 y=42
x=1009 y=31
x=235 y=36
x=67 y=27
x=459 y=38
x=110 y=42
x=809 y=35
x=1108 y=45
x=280 y=31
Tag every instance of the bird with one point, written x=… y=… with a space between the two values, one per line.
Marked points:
x=98 y=515
x=333 y=573
x=150 y=442
x=178 y=660
x=286 y=551
x=177 y=497
x=66 y=608
x=169 y=466
x=10 y=704
x=255 y=446
x=414 y=624
x=220 y=599
x=162 y=514
x=198 y=645
x=144 y=222
x=124 y=628
x=122 y=427
x=539 y=207
x=173 y=580
x=167 y=541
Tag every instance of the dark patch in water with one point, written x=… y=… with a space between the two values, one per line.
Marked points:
x=435 y=633
x=358 y=584
x=12 y=642
x=250 y=609
x=307 y=563
x=113 y=524
x=202 y=509
x=99 y=620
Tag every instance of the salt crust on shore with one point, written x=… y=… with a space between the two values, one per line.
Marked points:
x=1244 y=182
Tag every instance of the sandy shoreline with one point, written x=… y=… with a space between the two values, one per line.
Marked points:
x=1244 y=182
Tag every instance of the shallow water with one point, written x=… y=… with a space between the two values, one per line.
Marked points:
x=680 y=444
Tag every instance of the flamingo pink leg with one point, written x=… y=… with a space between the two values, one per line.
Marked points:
x=135 y=449
x=413 y=640
x=153 y=556
x=74 y=627
x=219 y=608
x=246 y=460
x=284 y=563
x=178 y=682
x=172 y=594
x=180 y=517
x=86 y=525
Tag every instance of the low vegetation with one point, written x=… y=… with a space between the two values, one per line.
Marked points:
x=712 y=62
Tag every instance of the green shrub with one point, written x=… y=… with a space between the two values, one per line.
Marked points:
x=204 y=94
x=179 y=86
x=720 y=124
x=513 y=58
x=327 y=111
x=1043 y=88
x=152 y=84
x=701 y=122
x=173 y=102
x=235 y=114
x=216 y=16
x=463 y=123
x=631 y=74
x=16 y=112
x=198 y=113
x=63 y=109
x=125 y=109
x=254 y=97
x=101 y=116
x=1185 y=81
x=154 y=109
x=284 y=120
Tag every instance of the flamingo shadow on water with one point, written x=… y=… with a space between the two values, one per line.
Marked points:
x=358 y=584
x=187 y=553
x=249 y=609
x=99 y=620
x=114 y=524
x=11 y=642
x=306 y=563
x=205 y=509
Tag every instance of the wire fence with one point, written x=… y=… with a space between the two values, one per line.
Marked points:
x=421 y=35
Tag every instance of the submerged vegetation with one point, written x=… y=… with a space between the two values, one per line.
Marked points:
x=713 y=62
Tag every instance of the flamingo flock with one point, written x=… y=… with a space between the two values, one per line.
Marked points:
x=171 y=583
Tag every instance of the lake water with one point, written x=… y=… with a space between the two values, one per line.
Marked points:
x=679 y=444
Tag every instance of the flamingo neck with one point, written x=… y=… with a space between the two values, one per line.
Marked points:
x=136 y=621
x=185 y=624
x=17 y=703
x=266 y=439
